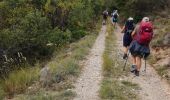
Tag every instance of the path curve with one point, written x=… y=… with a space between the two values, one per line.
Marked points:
x=152 y=86
x=88 y=84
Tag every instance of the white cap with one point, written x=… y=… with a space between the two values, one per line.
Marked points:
x=130 y=18
x=145 y=19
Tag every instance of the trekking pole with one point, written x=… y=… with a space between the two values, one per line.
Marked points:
x=126 y=62
x=145 y=62
x=145 y=65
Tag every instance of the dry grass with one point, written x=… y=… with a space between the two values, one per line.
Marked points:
x=64 y=95
x=19 y=80
x=162 y=28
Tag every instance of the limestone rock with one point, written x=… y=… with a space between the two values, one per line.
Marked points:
x=45 y=76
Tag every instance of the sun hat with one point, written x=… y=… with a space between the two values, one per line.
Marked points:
x=130 y=18
x=145 y=19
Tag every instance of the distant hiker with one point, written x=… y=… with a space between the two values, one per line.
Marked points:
x=139 y=48
x=105 y=15
x=127 y=39
x=115 y=16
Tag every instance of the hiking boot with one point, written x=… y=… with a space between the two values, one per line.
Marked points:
x=133 y=68
x=136 y=72
x=125 y=56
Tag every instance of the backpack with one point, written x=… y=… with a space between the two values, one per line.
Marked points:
x=145 y=33
x=115 y=16
x=129 y=27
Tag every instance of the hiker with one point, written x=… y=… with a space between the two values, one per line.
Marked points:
x=139 y=48
x=105 y=15
x=115 y=16
x=127 y=39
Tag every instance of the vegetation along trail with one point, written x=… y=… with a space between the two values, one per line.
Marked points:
x=151 y=84
x=88 y=84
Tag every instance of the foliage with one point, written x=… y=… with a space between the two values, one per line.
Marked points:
x=137 y=8
x=38 y=27
x=64 y=69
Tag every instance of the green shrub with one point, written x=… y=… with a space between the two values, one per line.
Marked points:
x=78 y=34
x=38 y=27
x=59 y=38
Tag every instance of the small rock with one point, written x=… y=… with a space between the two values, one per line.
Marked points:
x=69 y=89
x=146 y=94
x=45 y=76
x=30 y=88
x=120 y=79
x=133 y=89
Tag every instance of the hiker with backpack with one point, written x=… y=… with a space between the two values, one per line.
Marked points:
x=105 y=15
x=115 y=16
x=139 y=48
x=127 y=39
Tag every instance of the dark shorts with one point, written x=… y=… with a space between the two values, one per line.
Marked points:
x=127 y=39
x=114 y=20
x=139 y=50
x=105 y=17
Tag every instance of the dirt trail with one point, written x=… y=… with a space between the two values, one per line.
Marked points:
x=152 y=86
x=88 y=84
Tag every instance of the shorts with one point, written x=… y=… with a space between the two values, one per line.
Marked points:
x=127 y=39
x=138 y=50
x=105 y=17
x=114 y=20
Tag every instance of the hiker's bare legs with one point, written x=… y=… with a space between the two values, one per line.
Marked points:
x=104 y=22
x=125 y=49
x=133 y=60
x=114 y=24
x=138 y=63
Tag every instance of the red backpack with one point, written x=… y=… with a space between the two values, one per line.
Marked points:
x=145 y=34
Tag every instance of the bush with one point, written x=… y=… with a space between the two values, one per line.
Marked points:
x=59 y=37
x=77 y=34
x=37 y=27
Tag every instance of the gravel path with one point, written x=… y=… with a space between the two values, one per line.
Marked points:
x=152 y=86
x=88 y=84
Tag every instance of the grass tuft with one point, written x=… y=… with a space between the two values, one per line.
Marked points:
x=18 y=81
x=107 y=65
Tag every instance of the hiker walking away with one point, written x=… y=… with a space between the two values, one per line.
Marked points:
x=115 y=16
x=127 y=39
x=105 y=15
x=139 y=48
